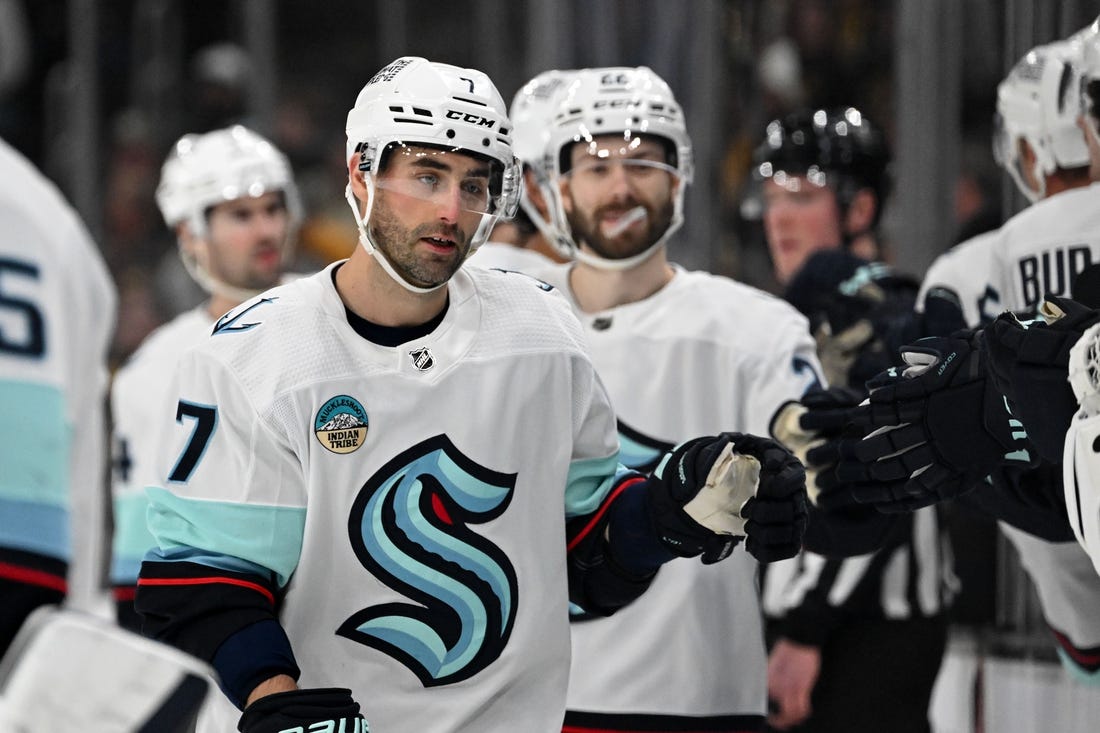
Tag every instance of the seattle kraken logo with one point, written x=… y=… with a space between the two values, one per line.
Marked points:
x=409 y=528
x=639 y=451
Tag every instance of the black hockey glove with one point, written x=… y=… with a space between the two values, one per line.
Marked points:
x=709 y=493
x=811 y=428
x=1029 y=364
x=936 y=428
x=329 y=708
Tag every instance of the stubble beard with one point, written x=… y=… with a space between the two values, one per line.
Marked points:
x=587 y=230
x=398 y=246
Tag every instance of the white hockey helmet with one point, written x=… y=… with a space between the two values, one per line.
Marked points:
x=1088 y=40
x=1038 y=102
x=621 y=101
x=413 y=101
x=532 y=113
x=203 y=170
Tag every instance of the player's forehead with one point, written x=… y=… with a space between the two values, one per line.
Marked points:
x=264 y=201
x=426 y=157
x=617 y=146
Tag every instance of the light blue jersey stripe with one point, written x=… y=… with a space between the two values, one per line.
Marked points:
x=589 y=482
x=1077 y=671
x=35 y=528
x=35 y=445
x=269 y=536
x=132 y=537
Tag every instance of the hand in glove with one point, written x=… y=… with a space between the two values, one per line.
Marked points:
x=936 y=428
x=709 y=493
x=1029 y=364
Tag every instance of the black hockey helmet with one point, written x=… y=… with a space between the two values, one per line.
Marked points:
x=839 y=148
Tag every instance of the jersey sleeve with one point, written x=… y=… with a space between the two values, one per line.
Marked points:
x=788 y=368
x=207 y=587
x=132 y=448
x=596 y=495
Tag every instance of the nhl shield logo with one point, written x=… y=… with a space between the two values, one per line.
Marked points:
x=422 y=358
x=341 y=424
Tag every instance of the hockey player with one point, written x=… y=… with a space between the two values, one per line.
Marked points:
x=230 y=197
x=1038 y=253
x=857 y=641
x=525 y=242
x=367 y=479
x=681 y=353
x=58 y=305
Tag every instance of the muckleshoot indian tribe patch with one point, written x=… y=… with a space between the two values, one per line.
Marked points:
x=341 y=424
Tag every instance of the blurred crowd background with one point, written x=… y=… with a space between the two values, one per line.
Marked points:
x=96 y=91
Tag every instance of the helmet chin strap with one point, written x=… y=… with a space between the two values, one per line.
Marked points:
x=618 y=265
x=371 y=248
x=213 y=285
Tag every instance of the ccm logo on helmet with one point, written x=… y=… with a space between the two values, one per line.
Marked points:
x=454 y=114
x=613 y=103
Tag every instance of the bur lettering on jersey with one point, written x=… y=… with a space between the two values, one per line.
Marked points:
x=1052 y=271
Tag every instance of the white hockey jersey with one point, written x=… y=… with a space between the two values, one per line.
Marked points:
x=57 y=315
x=139 y=399
x=703 y=355
x=412 y=500
x=1039 y=251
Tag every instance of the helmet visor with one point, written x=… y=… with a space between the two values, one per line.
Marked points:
x=449 y=177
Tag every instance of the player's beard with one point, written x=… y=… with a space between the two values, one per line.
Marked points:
x=398 y=245
x=629 y=243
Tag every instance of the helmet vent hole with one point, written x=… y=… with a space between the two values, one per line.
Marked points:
x=485 y=142
x=599 y=120
x=396 y=108
x=422 y=112
x=450 y=133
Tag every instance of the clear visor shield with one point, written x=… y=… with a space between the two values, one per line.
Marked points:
x=468 y=193
x=634 y=195
x=447 y=178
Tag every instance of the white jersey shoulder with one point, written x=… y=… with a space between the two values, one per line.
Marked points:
x=970 y=274
x=58 y=319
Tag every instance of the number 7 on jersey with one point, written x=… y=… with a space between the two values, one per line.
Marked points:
x=206 y=420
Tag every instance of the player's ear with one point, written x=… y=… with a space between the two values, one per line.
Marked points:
x=355 y=178
x=566 y=195
x=534 y=193
x=861 y=212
